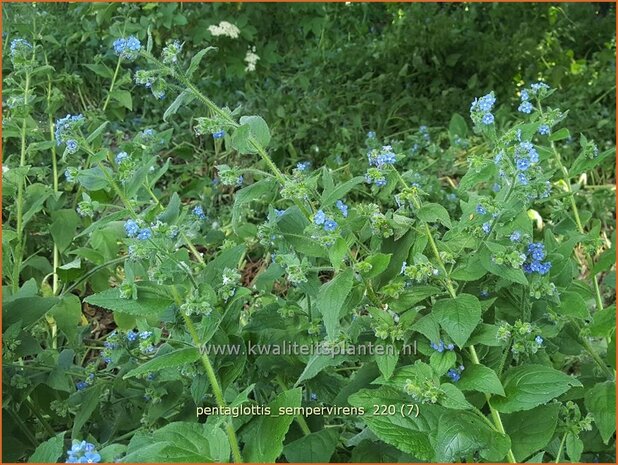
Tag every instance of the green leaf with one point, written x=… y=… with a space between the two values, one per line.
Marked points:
x=314 y=448
x=68 y=314
x=88 y=400
x=93 y=179
x=330 y=301
x=124 y=98
x=480 y=378
x=457 y=127
x=441 y=362
x=387 y=361
x=100 y=70
x=460 y=434
x=173 y=359
x=179 y=442
x=601 y=402
x=146 y=305
x=255 y=192
x=292 y=225
x=172 y=211
x=531 y=385
x=337 y=253
x=504 y=271
x=434 y=212
x=531 y=430
x=264 y=441
x=184 y=98
x=197 y=59
x=316 y=364
x=573 y=305
x=574 y=447
x=252 y=129
x=26 y=309
x=458 y=316
x=63 y=227
x=49 y=451
x=428 y=327
x=408 y=432
x=560 y=134
x=379 y=263
x=453 y=398
x=340 y=191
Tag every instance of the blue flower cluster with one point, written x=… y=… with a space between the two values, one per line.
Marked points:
x=378 y=160
x=534 y=257
x=199 y=212
x=424 y=130
x=18 y=46
x=66 y=129
x=327 y=223
x=133 y=230
x=128 y=48
x=535 y=90
x=342 y=207
x=544 y=130
x=303 y=166
x=218 y=134
x=455 y=373
x=122 y=156
x=89 y=381
x=525 y=156
x=83 y=452
x=480 y=110
x=441 y=347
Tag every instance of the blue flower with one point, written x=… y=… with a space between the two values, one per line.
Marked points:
x=538 y=340
x=330 y=225
x=72 y=146
x=496 y=187
x=480 y=209
x=319 y=218
x=81 y=385
x=131 y=336
x=343 y=208
x=515 y=236
x=128 y=48
x=454 y=375
x=380 y=182
x=199 y=212
x=536 y=250
x=145 y=334
x=403 y=267
x=522 y=163
x=303 y=166
x=534 y=156
x=17 y=44
x=544 y=129
x=144 y=234
x=218 y=134
x=486 y=102
x=484 y=293
x=439 y=347
x=122 y=156
x=523 y=179
x=524 y=95
x=371 y=135
x=313 y=396
x=83 y=452
x=525 y=107
x=488 y=119
x=131 y=228
x=279 y=212
x=486 y=227
x=538 y=86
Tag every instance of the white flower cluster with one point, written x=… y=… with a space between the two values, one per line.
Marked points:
x=251 y=58
x=224 y=29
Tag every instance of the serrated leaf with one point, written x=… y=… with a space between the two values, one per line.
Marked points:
x=480 y=378
x=601 y=402
x=458 y=316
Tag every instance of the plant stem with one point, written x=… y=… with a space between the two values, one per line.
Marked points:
x=561 y=448
x=495 y=415
x=111 y=87
x=212 y=378
x=19 y=247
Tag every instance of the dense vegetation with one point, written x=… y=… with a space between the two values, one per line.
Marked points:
x=434 y=181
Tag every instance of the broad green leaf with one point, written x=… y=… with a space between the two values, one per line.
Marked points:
x=173 y=359
x=457 y=126
x=379 y=262
x=315 y=448
x=408 y=432
x=87 y=400
x=316 y=364
x=179 y=442
x=124 y=98
x=528 y=386
x=26 y=309
x=49 y=451
x=574 y=447
x=184 y=98
x=100 y=70
x=434 y=212
x=601 y=402
x=441 y=362
x=144 y=305
x=330 y=301
x=63 y=227
x=197 y=59
x=387 y=361
x=480 y=378
x=504 y=271
x=252 y=130
x=460 y=434
x=339 y=191
x=453 y=398
x=93 y=179
x=292 y=225
x=573 y=305
x=259 y=191
x=458 y=316
x=531 y=430
x=264 y=442
x=560 y=134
